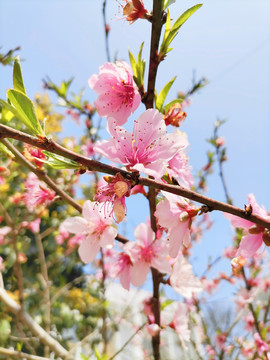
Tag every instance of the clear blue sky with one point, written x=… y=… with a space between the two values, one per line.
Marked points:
x=227 y=41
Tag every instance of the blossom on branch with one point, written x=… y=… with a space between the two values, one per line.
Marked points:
x=3 y=232
x=118 y=95
x=147 y=252
x=113 y=192
x=180 y=324
x=175 y=214
x=36 y=193
x=148 y=149
x=182 y=279
x=96 y=225
x=254 y=235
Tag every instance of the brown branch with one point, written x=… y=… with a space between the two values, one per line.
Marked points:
x=157 y=23
x=21 y=355
x=41 y=175
x=50 y=145
x=36 y=330
x=46 y=286
x=44 y=177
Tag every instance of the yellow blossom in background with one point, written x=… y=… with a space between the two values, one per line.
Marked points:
x=44 y=109
x=80 y=300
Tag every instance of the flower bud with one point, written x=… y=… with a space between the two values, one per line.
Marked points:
x=237 y=264
x=119 y=211
x=120 y=188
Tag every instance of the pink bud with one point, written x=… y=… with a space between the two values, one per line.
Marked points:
x=153 y=329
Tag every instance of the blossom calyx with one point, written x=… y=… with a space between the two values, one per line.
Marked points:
x=175 y=115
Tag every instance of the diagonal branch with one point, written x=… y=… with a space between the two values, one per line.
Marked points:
x=50 y=145
x=20 y=355
x=44 y=177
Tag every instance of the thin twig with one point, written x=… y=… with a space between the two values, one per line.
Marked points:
x=21 y=355
x=46 y=286
x=127 y=342
x=106 y=30
x=36 y=329
x=41 y=175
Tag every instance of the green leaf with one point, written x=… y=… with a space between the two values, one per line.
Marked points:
x=6 y=115
x=133 y=63
x=162 y=95
x=166 y=303
x=99 y=356
x=171 y=103
x=64 y=87
x=183 y=18
x=140 y=53
x=25 y=110
x=169 y=35
x=83 y=357
x=17 y=76
x=59 y=162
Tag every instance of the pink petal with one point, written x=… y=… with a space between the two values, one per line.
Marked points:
x=108 y=236
x=88 y=210
x=125 y=278
x=138 y=273
x=144 y=234
x=75 y=225
x=238 y=222
x=89 y=248
x=249 y=245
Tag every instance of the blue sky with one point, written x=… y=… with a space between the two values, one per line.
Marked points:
x=226 y=41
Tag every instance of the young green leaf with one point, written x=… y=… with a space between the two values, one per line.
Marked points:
x=6 y=115
x=133 y=63
x=59 y=162
x=25 y=110
x=162 y=95
x=17 y=76
x=169 y=35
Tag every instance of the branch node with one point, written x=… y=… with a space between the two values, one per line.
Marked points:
x=248 y=210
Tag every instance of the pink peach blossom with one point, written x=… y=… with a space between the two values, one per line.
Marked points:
x=148 y=149
x=88 y=148
x=36 y=193
x=113 y=192
x=121 y=268
x=175 y=214
x=118 y=95
x=180 y=324
x=147 y=252
x=262 y=346
x=3 y=232
x=182 y=279
x=96 y=226
x=254 y=234
x=179 y=168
